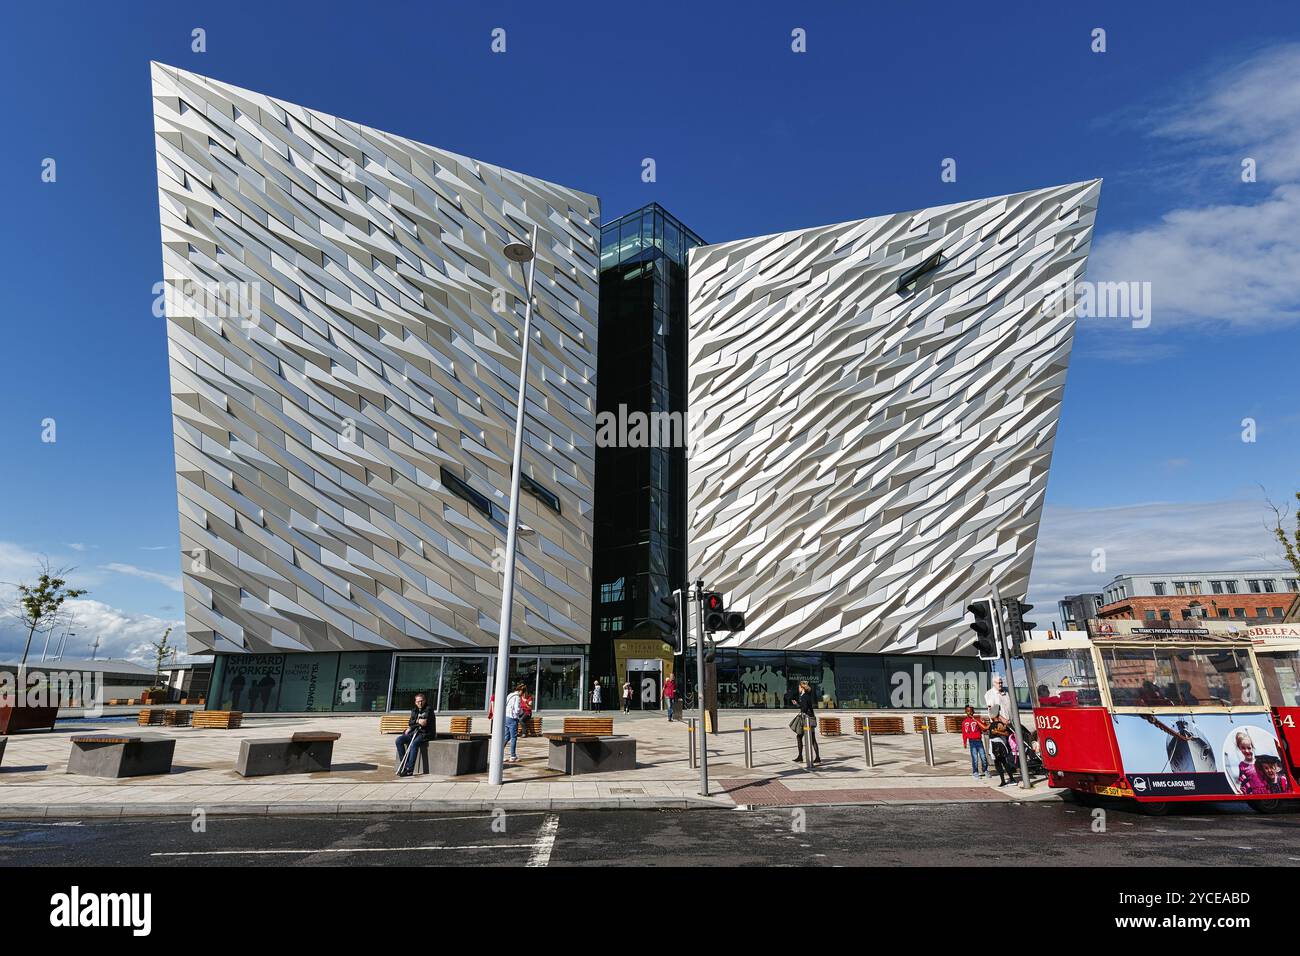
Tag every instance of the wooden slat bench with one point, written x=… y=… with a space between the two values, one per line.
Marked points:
x=461 y=725
x=217 y=719
x=880 y=726
x=596 y=726
x=952 y=723
x=532 y=727
x=918 y=724
x=829 y=727
x=394 y=723
x=158 y=717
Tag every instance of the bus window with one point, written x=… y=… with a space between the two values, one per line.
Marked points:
x=1179 y=677
x=1138 y=677
x=1063 y=678
x=1281 y=673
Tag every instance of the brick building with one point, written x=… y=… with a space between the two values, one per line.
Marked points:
x=1252 y=596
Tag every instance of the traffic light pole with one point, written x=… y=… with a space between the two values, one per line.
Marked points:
x=699 y=687
x=1005 y=640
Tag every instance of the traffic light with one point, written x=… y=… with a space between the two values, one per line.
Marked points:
x=985 y=628
x=715 y=613
x=676 y=620
x=1018 y=629
x=735 y=621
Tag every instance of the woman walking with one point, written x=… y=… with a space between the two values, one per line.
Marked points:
x=627 y=697
x=595 y=694
x=807 y=716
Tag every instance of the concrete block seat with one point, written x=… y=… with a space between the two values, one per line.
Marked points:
x=127 y=755
x=588 y=753
x=307 y=752
x=456 y=755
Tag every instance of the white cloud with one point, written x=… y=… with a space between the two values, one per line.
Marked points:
x=169 y=580
x=1236 y=263
x=1161 y=536
x=1251 y=109
x=123 y=635
x=78 y=546
x=1227 y=264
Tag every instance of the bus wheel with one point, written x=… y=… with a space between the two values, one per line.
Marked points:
x=1266 y=806
x=1153 y=808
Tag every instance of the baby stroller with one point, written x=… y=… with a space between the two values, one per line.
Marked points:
x=1032 y=760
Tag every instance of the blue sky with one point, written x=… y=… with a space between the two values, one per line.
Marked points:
x=748 y=138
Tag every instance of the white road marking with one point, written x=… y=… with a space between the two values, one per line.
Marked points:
x=347 y=849
x=545 y=842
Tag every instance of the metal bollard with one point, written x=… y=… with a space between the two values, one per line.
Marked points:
x=690 y=730
x=808 y=739
x=929 y=743
x=866 y=742
x=749 y=743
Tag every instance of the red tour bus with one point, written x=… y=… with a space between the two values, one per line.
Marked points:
x=1164 y=714
x=1277 y=649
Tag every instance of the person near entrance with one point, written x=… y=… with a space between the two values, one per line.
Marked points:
x=419 y=728
x=514 y=713
x=595 y=694
x=807 y=715
x=670 y=692
x=627 y=697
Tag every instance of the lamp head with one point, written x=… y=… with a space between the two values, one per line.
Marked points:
x=518 y=252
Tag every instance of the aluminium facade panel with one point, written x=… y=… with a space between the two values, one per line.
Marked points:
x=344 y=353
x=866 y=459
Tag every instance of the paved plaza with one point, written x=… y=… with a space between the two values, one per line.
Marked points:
x=34 y=781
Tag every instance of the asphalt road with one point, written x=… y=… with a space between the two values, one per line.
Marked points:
x=1050 y=833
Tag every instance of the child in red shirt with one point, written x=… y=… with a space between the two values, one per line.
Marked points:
x=972 y=738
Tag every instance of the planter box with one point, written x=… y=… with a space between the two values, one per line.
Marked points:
x=15 y=719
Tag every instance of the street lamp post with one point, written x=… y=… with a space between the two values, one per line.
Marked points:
x=521 y=253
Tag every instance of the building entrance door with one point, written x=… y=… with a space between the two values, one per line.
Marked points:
x=646 y=678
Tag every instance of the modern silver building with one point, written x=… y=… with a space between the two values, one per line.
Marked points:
x=873 y=410
x=343 y=337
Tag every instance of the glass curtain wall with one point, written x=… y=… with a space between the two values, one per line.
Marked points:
x=769 y=679
x=640 y=515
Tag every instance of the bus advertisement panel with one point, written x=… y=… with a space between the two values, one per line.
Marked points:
x=1207 y=755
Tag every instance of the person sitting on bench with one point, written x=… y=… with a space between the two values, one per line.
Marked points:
x=419 y=728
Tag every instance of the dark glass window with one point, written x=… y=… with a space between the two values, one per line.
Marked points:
x=908 y=281
x=541 y=493
x=459 y=488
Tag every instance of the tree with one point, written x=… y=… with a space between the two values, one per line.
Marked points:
x=161 y=651
x=1290 y=540
x=39 y=605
